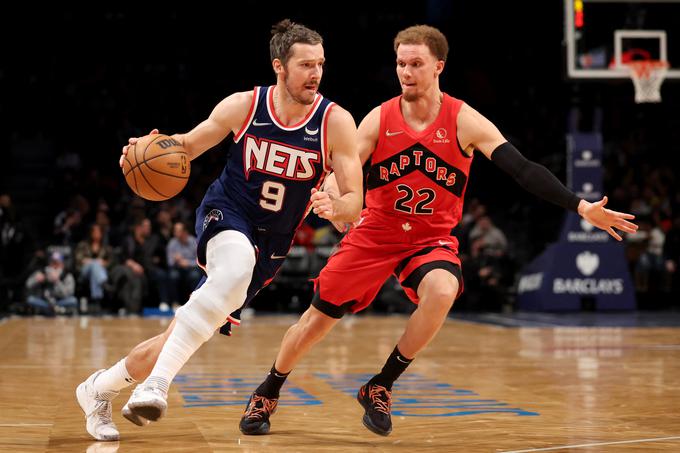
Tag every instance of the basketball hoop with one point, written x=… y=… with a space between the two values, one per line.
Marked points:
x=647 y=75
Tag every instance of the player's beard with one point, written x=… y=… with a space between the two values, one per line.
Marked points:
x=302 y=97
x=411 y=95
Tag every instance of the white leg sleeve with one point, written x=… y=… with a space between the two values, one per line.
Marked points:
x=230 y=263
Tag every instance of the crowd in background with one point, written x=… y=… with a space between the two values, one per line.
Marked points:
x=126 y=255
x=71 y=230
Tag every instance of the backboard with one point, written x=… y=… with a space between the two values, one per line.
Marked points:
x=602 y=35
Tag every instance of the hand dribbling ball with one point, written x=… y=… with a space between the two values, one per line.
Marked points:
x=156 y=167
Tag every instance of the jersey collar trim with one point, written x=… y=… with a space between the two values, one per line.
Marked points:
x=277 y=121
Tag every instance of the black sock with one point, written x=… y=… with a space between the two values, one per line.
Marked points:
x=272 y=384
x=394 y=366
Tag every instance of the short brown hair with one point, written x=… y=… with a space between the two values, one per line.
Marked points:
x=285 y=34
x=424 y=34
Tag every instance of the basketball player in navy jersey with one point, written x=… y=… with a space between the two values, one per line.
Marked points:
x=421 y=146
x=286 y=137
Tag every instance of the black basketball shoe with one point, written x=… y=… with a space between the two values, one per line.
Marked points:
x=377 y=401
x=255 y=418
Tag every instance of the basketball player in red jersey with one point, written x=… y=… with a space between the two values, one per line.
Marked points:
x=421 y=146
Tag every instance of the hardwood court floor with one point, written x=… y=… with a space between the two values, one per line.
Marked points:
x=476 y=388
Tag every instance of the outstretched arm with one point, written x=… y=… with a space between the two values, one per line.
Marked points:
x=228 y=116
x=480 y=133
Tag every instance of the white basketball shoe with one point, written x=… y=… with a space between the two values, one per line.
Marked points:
x=128 y=414
x=97 y=409
x=147 y=402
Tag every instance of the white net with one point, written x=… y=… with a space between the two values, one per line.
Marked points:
x=647 y=75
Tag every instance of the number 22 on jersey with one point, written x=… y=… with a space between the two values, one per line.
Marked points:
x=424 y=197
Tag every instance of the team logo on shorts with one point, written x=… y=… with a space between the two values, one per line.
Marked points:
x=215 y=214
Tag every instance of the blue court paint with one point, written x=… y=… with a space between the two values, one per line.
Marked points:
x=414 y=396
x=216 y=389
x=418 y=396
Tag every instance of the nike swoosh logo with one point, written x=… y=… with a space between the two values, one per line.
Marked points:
x=314 y=132
x=445 y=243
x=277 y=257
x=255 y=123
x=390 y=134
x=402 y=361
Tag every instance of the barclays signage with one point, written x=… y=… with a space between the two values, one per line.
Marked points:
x=588 y=263
x=566 y=272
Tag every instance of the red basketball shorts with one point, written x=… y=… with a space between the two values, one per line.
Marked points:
x=366 y=257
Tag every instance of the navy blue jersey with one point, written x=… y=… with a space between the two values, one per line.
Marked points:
x=265 y=186
x=272 y=168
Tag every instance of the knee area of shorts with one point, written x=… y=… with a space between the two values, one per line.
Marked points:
x=319 y=320
x=321 y=309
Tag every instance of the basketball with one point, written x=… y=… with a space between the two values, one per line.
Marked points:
x=156 y=167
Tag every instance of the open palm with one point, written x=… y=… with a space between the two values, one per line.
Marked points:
x=606 y=219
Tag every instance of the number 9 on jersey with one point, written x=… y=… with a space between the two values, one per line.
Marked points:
x=272 y=195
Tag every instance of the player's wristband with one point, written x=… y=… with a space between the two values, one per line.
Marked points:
x=533 y=177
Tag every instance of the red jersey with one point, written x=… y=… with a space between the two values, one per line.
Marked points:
x=417 y=180
x=415 y=195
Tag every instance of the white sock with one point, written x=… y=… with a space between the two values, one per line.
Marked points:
x=113 y=379
x=178 y=349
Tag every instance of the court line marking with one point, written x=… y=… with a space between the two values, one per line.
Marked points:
x=653 y=439
x=14 y=425
x=506 y=322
